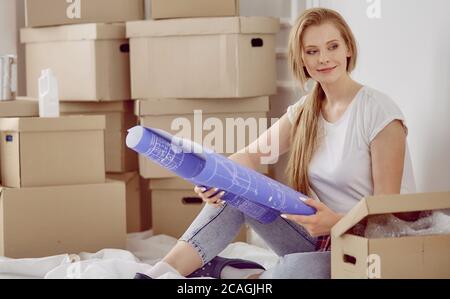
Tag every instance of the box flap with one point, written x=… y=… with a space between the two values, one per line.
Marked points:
x=203 y=26
x=73 y=33
x=158 y=107
x=88 y=107
x=170 y=184
x=386 y=204
x=354 y=216
x=124 y=177
x=66 y=123
x=21 y=107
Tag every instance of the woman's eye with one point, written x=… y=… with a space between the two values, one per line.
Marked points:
x=334 y=47
x=311 y=52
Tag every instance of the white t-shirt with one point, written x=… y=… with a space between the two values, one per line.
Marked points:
x=340 y=171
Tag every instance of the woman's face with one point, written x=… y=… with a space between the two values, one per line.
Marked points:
x=325 y=53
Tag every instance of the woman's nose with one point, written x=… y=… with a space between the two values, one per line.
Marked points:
x=323 y=58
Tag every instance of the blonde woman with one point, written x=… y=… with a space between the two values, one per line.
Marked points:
x=347 y=141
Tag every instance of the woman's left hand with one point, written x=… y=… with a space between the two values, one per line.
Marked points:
x=319 y=224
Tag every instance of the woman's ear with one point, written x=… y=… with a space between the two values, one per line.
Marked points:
x=349 y=52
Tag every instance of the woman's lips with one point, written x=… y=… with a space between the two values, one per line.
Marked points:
x=328 y=70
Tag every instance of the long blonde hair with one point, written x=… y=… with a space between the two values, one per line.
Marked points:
x=305 y=131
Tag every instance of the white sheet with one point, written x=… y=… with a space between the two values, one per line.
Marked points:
x=144 y=250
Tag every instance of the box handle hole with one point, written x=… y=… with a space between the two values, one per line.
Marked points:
x=348 y=259
x=257 y=42
x=125 y=48
x=192 y=201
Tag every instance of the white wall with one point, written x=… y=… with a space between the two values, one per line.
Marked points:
x=8 y=39
x=11 y=20
x=405 y=54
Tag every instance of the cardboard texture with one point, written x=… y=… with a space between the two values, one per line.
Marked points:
x=162 y=113
x=135 y=196
x=90 y=61
x=391 y=258
x=175 y=205
x=47 y=221
x=21 y=107
x=52 y=151
x=229 y=57
x=146 y=204
x=119 y=118
x=63 y=12
x=167 y=9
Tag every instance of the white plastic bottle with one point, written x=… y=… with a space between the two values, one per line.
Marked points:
x=48 y=94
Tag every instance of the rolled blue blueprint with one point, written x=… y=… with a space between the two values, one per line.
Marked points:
x=256 y=195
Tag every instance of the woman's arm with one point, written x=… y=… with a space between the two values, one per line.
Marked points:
x=388 y=151
x=388 y=157
x=275 y=142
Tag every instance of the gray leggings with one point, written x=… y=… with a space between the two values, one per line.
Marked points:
x=215 y=228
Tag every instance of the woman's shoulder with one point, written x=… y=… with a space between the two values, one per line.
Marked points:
x=377 y=110
x=373 y=99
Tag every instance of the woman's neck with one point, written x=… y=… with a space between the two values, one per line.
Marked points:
x=341 y=92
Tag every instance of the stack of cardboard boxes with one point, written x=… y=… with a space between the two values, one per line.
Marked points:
x=194 y=68
x=55 y=195
x=89 y=54
x=54 y=198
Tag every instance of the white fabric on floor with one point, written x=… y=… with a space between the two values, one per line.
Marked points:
x=144 y=250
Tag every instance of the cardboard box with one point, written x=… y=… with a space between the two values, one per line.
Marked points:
x=119 y=118
x=63 y=12
x=390 y=258
x=47 y=221
x=21 y=107
x=168 y=9
x=163 y=113
x=229 y=57
x=52 y=151
x=175 y=206
x=90 y=61
x=135 y=201
x=18 y=108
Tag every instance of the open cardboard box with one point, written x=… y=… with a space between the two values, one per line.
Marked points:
x=426 y=256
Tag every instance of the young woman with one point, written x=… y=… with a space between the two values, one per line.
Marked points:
x=347 y=141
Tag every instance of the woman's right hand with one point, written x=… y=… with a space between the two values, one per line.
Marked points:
x=207 y=196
